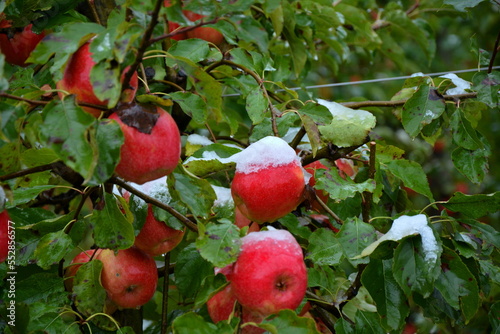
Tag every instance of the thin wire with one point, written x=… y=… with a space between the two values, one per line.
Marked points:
x=352 y=83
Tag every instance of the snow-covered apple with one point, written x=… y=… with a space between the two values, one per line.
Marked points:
x=269 y=181
x=270 y=274
x=152 y=144
x=76 y=80
x=156 y=237
x=4 y=235
x=17 y=44
x=76 y=263
x=129 y=276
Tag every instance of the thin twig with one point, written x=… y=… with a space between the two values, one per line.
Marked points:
x=332 y=155
x=368 y=196
x=495 y=51
x=27 y=171
x=164 y=310
x=328 y=210
x=183 y=219
x=298 y=137
x=43 y=103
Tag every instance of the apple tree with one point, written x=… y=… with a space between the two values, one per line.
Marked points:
x=208 y=166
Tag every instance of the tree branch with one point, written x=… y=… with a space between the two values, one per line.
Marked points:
x=28 y=171
x=330 y=153
x=495 y=51
x=43 y=103
x=183 y=219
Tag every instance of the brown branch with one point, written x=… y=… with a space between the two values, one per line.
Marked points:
x=164 y=309
x=383 y=24
x=145 y=42
x=28 y=171
x=495 y=51
x=330 y=153
x=368 y=196
x=362 y=104
x=328 y=210
x=298 y=137
x=181 y=31
x=183 y=219
x=43 y=103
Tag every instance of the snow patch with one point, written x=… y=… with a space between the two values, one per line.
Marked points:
x=156 y=189
x=410 y=225
x=266 y=152
x=196 y=139
x=461 y=84
x=223 y=196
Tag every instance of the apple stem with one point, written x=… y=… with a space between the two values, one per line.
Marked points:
x=164 y=310
x=183 y=219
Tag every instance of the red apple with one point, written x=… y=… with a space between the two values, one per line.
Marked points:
x=322 y=195
x=269 y=180
x=208 y=34
x=4 y=235
x=156 y=237
x=76 y=263
x=18 y=46
x=221 y=305
x=76 y=80
x=270 y=274
x=241 y=221
x=152 y=144
x=346 y=167
x=129 y=277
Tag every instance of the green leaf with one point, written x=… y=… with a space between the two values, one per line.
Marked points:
x=421 y=109
x=220 y=243
x=324 y=248
x=457 y=284
x=188 y=189
x=342 y=326
x=354 y=236
x=89 y=296
x=485 y=231
x=339 y=188
x=368 y=323
x=462 y=5
x=313 y=133
x=349 y=127
x=464 y=135
x=256 y=105
x=472 y=164
x=192 y=323
x=38 y=156
x=105 y=78
x=487 y=86
x=412 y=175
x=111 y=228
x=107 y=144
x=52 y=248
x=287 y=321
x=45 y=318
x=44 y=287
x=24 y=195
x=195 y=50
x=474 y=206
x=209 y=287
x=4 y=83
x=192 y=104
x=391 y=302
x=210 y=159
x=65 y=130
x=411 y=269
x=190 y=271
x=319 y=113
x=494 y=316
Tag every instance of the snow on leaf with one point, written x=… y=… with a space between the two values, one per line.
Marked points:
x=410 y=225
x=349 y=127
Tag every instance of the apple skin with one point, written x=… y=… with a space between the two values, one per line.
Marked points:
x=322 y=195
x=147 y=156
x=241 y=221
x=155 y=237
x=269 y=193
x=18 y=48
x=208 y=34
x=129 y=277
x=4 y=235
x=75 y=264
x=221 y=305
x=76 y=80
x=270 y=274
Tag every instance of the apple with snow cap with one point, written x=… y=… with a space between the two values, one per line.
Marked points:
x=152 y=146
x=269 y=181
x=270 y=274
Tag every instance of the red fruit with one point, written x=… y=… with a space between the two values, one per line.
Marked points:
x=76 y=80
x=323 y=196
x=129 y=277
x=76 y=263
x=152 y=144
x=270 y=274
x=241 y=221
x=269 y=181
x=208 y=34
x=4 y=235
x=17 y=48
x=221 y=305
x=156 y=237
x=345 y=167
